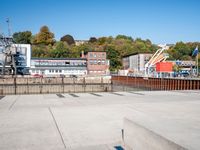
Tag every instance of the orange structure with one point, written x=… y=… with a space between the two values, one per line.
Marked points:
x=164 y=67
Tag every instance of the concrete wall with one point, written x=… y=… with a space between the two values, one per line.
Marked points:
x=54 y=85
x=137 y=137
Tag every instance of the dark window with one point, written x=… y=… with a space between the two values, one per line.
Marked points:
x=67 y=62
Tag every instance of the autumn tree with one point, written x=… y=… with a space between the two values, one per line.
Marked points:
x=45 y=36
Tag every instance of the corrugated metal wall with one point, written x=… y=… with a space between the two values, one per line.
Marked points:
x=140 y=83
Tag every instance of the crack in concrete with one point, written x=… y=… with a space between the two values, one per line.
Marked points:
x=55 y=122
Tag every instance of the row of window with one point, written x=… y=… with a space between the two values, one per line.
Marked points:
x=56 y=71
x=59 y=63
x=97 y=71
x=97 y=62
x=97 y=55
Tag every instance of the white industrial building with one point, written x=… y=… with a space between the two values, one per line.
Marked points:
x=58 y=66
x=21 y=54
x=25 y=51
x=136 y=62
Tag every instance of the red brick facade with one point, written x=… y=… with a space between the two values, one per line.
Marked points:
x=97 y=64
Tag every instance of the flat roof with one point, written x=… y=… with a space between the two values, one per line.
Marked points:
x=94 y=51
x=36 y=58
x=136 y=53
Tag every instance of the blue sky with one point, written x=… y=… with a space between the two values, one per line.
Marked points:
x=162 y=21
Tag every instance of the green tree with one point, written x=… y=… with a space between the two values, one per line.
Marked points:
x=124 y=37
x=102 y=40
x=181 y=51
x=92 y=40
x=115 y=59
x=22 y=37
x=68 y=39
x=39 y=51
x=45 y=36
x=60 y=50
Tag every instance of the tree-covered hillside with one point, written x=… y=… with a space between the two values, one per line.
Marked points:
x=45 y=45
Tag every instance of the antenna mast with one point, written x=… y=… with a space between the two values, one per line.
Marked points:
x=9 y=28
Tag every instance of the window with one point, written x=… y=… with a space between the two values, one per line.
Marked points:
x=91 y=55
x=60 y=71
x=67 y=63
x=99 y=62
x=37 y=63
x=103 y=62
x=91 y=62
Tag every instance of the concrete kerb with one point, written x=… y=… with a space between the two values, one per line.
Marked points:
x=137 y=137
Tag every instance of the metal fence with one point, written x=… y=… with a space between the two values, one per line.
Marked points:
x=126 y=83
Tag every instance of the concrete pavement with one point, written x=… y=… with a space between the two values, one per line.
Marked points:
x=92 y=121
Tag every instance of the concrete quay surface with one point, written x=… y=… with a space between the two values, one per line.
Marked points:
x=93 y=121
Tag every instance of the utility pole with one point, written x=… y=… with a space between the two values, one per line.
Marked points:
x=9 y=28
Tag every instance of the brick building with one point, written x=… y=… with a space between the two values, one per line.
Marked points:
x=97 y=64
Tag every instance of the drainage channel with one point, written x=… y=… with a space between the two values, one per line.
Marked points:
x=116 y=94
x=96 y=94
x=136 y=93
x=60 y=96
x=73 y=95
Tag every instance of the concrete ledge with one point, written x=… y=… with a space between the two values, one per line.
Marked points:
x=137 y=137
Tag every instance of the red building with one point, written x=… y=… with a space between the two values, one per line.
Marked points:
x=165 y=67
x=97 y=64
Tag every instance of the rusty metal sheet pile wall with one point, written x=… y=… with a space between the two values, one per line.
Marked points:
x=156 y=83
